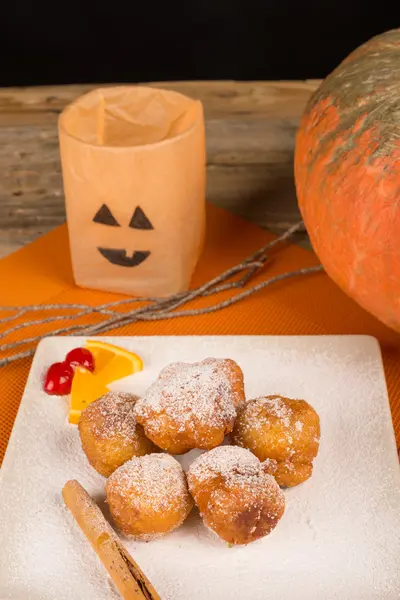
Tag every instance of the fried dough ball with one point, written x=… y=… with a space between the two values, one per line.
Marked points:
x=110 y=434
x=285 y=430
x=192 y=405
x=236 y=496
x=148 y=496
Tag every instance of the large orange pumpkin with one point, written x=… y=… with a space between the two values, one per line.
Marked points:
x=347 y=170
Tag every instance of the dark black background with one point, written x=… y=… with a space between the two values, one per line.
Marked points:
x=71 y=42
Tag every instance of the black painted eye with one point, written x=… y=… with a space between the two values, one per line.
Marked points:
x=105 y=217
x=139 y=220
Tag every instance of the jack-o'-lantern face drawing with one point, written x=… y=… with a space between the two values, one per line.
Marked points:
x=118 y=256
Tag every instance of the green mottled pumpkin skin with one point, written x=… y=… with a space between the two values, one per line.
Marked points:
x=347 y=172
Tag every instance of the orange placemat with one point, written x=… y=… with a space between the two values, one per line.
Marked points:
x=41 y=273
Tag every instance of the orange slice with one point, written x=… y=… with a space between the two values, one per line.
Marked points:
x=86 y=387
x=111 y=363
x=104 y=351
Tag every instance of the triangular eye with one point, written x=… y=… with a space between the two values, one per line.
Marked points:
x=105 y=217
x=139 y=220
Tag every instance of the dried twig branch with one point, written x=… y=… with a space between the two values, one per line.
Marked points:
x=150 y=309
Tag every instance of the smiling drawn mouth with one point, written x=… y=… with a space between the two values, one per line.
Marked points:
x=119 y=257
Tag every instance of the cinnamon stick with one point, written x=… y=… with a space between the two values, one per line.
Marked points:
x=129 y=579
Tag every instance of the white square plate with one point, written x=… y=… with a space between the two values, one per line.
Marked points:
x=339 y=537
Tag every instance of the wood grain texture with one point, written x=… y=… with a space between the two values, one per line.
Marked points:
x=250 y=129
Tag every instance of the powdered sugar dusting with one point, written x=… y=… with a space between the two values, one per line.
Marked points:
x=237 y=467
x=115 y=415
x=277 y=407
x=191 y=396
x=227 y=461
x=258 y=413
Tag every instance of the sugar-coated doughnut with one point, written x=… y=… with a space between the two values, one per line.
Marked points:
x=148 y=496
x=192 y=405
x=237 y=497
x=110 y=434
x=282 y=429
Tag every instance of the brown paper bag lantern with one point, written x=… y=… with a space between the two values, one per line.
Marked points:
x=133 y=162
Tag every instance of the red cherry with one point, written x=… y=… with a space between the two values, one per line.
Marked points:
x=58 y=379
x=80 y=357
